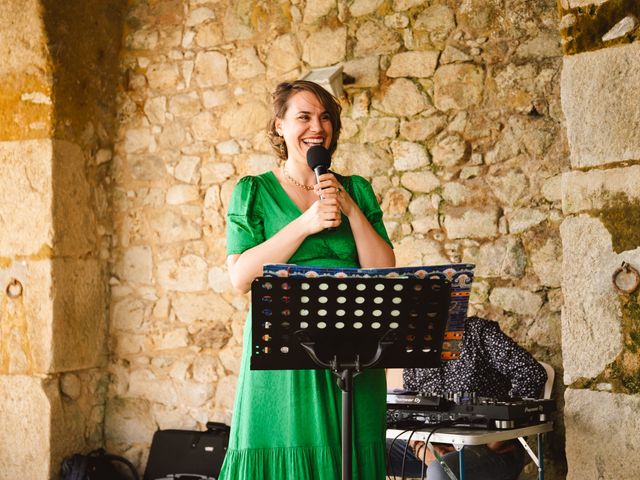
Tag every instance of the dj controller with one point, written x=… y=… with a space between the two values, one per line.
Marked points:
x=409 y=409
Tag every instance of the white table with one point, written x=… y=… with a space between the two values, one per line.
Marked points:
x=460 y=437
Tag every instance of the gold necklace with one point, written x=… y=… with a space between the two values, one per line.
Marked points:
x=292 y=180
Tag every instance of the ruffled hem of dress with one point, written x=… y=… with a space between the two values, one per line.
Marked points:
x=302 y=463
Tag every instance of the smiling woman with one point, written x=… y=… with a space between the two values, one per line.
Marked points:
x=286 y=424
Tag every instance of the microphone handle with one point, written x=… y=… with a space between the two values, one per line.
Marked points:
x=321 y=170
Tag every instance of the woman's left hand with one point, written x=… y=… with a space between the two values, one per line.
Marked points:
x=328 y=186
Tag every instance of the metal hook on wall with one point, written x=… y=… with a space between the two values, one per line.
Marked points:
x=626 y=279
x=14 y=288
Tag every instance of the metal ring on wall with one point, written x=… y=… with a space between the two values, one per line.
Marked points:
x=628 y=270
x=14 y=288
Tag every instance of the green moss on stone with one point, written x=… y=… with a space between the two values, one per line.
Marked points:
x=623 y=374
x=583 y=384
x=621 y=217
x=594 y=21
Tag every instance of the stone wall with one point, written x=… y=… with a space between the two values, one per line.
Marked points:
x=601 y=201
x=454 y=116
x=57 y=59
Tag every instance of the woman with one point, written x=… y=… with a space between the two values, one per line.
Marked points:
x=286 y=424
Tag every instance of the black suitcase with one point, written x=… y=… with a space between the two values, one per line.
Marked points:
x=187 y=454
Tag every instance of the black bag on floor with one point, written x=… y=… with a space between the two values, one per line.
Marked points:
x=187 y=454
x=97 y=465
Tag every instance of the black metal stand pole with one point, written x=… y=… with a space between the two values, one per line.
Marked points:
x=345 y=382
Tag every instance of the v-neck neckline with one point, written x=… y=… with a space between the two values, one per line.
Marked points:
x=274 y=180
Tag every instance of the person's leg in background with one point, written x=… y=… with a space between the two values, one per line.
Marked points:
x=480 y=463
x=413 y=466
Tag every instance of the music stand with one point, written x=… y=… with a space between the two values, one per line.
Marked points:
x=347 y=325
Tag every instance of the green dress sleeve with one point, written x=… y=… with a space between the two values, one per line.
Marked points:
x=245 y=227
x=363 y=194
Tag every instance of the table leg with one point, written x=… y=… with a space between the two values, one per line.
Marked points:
x=540 y=458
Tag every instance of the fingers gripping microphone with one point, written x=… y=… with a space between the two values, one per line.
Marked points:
x=319 y=160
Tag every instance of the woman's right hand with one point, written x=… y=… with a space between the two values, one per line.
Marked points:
x=323 y=213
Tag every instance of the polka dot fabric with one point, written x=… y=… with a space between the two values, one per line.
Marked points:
x=491 y=364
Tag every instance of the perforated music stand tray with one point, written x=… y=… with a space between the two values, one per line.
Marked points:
x=347 y=325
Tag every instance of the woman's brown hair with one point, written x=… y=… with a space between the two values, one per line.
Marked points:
x=280 y=99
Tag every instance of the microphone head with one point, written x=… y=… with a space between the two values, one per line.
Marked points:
x=318 y=156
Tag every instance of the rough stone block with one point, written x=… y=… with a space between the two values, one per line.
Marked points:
x=449 y=151
x=77 y=401
x=545 y=263
x=503 y=258
x=417 y=129
x=24 y=36
x=595 y=189
x=25 y=423
x=209 y=308
x=26 y=221
x=582 y=3
x=25 y=320
x=402 y=98
x=283 y=55
x=314 y=11
x=26 y=72
x=129 y=420
x=175 y=224
x=409 y=155
x=368 y=160
x=246 y=120
x=74 y=220
x=411 y=251
x=602 y=434
x=164 y=76
x=188 y=274
x=325 y=47
x=422 y=181
x=590 y=315
x=373 y=38
x=40 y=424
x=58 y=322
x=458 y=86
x=380 y=128
x=364 y=71
x=516 y=300
x=395 y=202
x=462 y=222
x=210 y=69
x=245 y=64
x=364 y=7
x=79 y=326
x=595 y=90
x=136 y=265
x=413 y=64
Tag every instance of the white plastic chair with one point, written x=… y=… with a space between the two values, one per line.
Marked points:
x=548 y=386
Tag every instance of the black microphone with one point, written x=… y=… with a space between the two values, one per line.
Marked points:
x=319 y=160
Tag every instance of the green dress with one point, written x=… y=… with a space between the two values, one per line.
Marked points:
x=287 y=423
